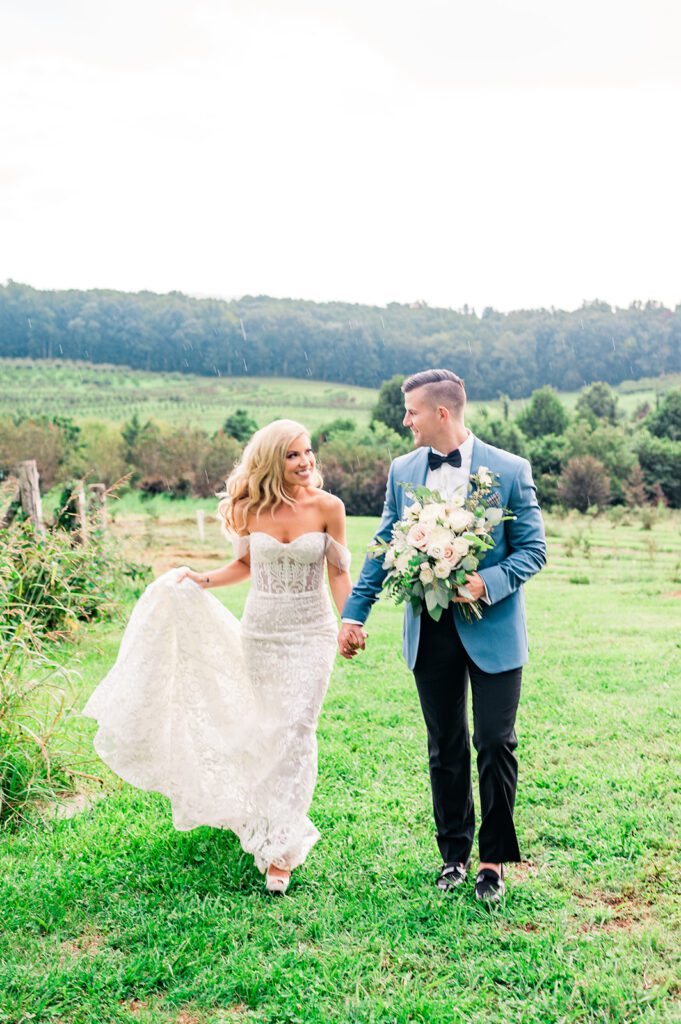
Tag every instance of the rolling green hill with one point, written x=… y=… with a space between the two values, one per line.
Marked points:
x=113 y=393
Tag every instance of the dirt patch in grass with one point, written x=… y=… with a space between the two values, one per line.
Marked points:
x=87 y=944
x=521 y=871
x=614 y=912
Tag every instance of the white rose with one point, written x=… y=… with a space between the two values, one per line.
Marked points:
x=494 y=516
x=442 y=570
x=426 y=575
x=457 y=500
x=389 y=560
x=461 y=546
x=413 y=511
x=460 y=519
x=438 y=540
x=431 y=512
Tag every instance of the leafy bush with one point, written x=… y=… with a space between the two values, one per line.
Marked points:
x=611 y=445
x=355 y=466
x=389 y=408
x=584 y=483
x=32 y=703
x=597 y=402
x=502 y=433
x=665 y=421
x=660 y=460
x=44 y=441
x=240 y=425
x=48 y=585
x=101 y=456
x=216 y=465
x=543 y=414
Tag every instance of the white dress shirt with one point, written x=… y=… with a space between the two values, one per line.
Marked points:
x=448 y=480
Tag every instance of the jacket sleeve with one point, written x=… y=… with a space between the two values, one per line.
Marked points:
x=526 y=540
x=368 y=587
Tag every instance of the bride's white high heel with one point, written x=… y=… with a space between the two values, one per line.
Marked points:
x=276 y=883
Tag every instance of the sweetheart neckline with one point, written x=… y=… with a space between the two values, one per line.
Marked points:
x=285 y=543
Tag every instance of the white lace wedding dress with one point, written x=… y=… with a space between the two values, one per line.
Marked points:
x=221 y=715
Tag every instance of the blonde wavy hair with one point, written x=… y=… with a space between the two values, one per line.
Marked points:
x=257 y=481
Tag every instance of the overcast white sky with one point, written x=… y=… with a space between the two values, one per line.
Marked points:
x=511 y=153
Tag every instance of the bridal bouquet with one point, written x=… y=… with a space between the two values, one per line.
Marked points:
x=438 y=542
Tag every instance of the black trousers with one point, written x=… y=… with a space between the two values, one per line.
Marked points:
x=442 y=671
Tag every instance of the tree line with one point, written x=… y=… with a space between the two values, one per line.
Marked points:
x=513 y=353
x=590 y=459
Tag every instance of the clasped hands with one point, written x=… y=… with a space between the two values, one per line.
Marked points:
x=352 y=637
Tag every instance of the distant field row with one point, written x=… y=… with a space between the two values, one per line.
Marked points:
x=84 y=391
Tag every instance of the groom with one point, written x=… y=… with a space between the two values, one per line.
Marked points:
x=444 y=655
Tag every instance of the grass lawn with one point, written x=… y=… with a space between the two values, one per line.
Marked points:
x=111 y=915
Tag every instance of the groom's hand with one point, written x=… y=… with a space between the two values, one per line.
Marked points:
x=475 y=586
x=351 y=639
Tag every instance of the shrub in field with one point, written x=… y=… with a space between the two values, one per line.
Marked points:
x=547 y=456
x=584 y=483
x=101 y=456
x=660 y=460
x=355 y=466
x=502 y=433
x=597 y=402
x=611 y=445
x=216 y=465
x=48 y=584
x=240 y=425
x=665 y=421
x=45 y=442
x=543 y=414
x=169 y=461
x=32 y=703
x=635 y=493
x=389 y=408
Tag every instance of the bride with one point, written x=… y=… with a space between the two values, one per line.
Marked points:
x=221 y=715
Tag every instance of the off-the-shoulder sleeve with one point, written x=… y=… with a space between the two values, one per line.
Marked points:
x=337 y=554
x=240 y=545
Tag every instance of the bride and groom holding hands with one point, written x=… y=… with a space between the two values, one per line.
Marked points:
x=220 y=715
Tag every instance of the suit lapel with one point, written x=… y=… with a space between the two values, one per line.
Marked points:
x=414 y=474
x=476 y=459
x=421 y=466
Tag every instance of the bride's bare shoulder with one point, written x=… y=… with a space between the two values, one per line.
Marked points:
x=330 y=502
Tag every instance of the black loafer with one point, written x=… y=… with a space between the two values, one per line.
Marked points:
x=451 y=876
x=489 y=886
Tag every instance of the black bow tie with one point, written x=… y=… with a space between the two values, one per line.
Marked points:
x=435 y=460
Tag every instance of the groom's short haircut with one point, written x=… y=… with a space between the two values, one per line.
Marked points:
x=444 y=388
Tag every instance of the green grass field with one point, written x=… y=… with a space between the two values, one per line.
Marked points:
x=112 y=916
x=84 y=391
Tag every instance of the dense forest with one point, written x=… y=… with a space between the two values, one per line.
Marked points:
x=496 y=353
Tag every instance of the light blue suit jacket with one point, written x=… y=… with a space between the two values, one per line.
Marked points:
x=498 y=641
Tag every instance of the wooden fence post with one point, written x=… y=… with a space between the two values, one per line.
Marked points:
x=29 y=488
x=98 y=506
x=79 y=513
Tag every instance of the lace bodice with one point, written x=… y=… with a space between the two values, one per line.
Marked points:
x=293 y=567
